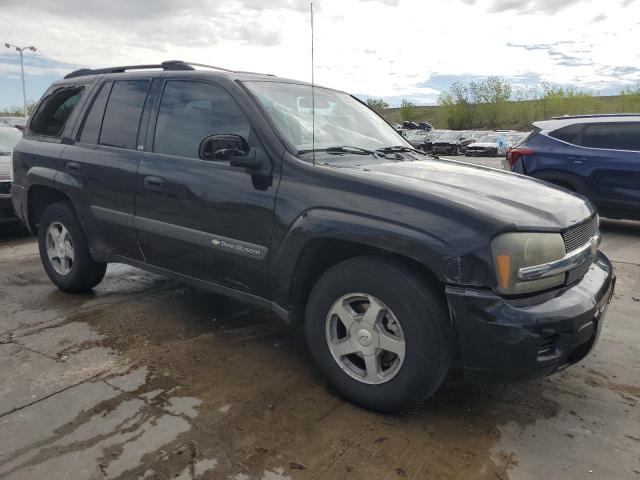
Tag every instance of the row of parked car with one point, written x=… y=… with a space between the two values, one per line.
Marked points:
x=10 y=134
x=597 y=156
x=466 y=142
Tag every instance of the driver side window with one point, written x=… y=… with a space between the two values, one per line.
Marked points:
x=191 y=111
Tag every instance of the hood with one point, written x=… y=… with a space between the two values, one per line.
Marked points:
x=483 y=145
x=502 y=197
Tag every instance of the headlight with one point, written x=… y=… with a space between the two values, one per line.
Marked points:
x=513 y=251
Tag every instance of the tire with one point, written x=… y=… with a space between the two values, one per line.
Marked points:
x=422 y=315
x=81 y=273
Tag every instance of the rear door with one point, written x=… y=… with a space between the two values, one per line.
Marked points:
x=203 y=218
x=104 y=160
x=610 y=152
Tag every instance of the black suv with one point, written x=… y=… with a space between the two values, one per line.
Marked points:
x=404 y=268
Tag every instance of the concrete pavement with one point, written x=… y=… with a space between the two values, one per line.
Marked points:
x=148 y=378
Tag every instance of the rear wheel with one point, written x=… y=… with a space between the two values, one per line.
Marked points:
x=379 y=333
x=64 y=251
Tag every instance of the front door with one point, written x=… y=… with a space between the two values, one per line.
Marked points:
x=203 y=218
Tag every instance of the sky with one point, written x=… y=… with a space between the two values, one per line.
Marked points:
x=391 y=49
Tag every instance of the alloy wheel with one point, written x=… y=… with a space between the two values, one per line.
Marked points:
x=59 y=248
x=365 y=338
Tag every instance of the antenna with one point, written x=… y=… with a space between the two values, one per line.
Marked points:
x=313 y=97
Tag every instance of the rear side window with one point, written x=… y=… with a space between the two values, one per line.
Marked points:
x=122 y=115
x=93 y=121
x=529 y=136
x=615 y=136
x=53 y=114
x=191 y=111
x=568 y=134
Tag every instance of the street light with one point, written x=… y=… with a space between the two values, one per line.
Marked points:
x=24 y=90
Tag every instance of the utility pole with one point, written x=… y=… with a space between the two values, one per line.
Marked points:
x=24 y=89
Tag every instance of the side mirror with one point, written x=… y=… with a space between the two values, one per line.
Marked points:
x=231 y=148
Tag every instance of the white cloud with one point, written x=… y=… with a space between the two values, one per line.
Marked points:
x=374 y=47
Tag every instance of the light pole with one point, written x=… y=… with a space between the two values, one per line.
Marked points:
x=24 y=90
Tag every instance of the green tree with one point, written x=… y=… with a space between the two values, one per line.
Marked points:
x=378 y=105
x=408 y=110
x=496 y=93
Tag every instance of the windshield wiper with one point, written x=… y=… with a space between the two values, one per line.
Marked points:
x=342 y=149
x=398 y=148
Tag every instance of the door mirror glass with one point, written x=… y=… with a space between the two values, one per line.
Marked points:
x=223 y=147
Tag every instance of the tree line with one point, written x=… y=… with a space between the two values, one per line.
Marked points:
x=495 y=103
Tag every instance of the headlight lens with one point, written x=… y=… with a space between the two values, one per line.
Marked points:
x=512 y=251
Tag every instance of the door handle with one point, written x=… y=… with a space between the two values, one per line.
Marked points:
x=153 y=183
x=73 y=167
x=577 y=160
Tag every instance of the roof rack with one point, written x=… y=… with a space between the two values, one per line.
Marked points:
x=596 y=115
x=168 y=65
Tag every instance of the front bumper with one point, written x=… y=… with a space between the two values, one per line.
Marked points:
x=482 y=152
x=6 y=206
x=443 y=148
x=508 y=340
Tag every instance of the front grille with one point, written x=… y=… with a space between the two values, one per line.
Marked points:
x=576 y=274
x=575 y=237
x=5 y=188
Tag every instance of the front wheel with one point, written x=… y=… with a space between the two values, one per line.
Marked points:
x=379 y=333
x=64 y=251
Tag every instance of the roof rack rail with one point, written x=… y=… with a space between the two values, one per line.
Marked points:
x=596 y=115
x=227 y=70
x=168 y=65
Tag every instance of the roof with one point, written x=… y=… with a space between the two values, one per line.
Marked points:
x=179 y=66
x=559 y=122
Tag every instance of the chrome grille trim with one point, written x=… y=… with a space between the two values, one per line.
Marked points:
x=576 y=236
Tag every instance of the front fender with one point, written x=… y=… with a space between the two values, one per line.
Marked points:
x=422 y=247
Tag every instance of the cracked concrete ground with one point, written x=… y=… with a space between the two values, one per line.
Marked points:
x=148 y=378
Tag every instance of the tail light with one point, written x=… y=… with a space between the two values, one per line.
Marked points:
x=514 y=154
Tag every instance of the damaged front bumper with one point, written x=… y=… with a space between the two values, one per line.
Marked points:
x=509 y=340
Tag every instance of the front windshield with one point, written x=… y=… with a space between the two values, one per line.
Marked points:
x=8 y=139
x=416 y=133
x=446 y=136
x=340 y=120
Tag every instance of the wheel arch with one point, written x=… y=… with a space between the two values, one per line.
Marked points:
x=566 y=180
x=320 y=239
x=39 y=197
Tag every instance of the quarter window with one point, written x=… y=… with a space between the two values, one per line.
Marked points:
x=567 y=134
x=618 y=136
x=52 y=116
x=122 y=115
x=93 y=121
x=191 y=111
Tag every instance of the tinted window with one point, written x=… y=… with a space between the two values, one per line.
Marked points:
x=618 y=136
x=122 y=116
x=55 y=111
x=93 y=121
x=567 y=134
x=191 y=111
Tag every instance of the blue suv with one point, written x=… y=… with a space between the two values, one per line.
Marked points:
x=597 y=156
